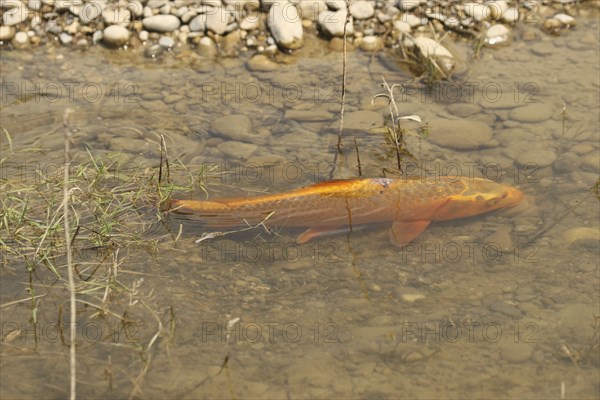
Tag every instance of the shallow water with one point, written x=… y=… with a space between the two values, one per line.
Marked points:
x=470 y=310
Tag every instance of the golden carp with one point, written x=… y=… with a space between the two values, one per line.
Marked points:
x=324 y=208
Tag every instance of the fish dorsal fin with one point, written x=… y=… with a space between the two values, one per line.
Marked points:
x=335 y=182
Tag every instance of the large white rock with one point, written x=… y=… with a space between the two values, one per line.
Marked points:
x=497 y=34
x=198 y=24
x=161 y=23
x=286 y=25
x=361 y=9
x=402 y=26
x=90 y=11
x=412 y=20
x=336 y=4
x=511 y=15
x=116 y=16
x=116 y=35
x=6 y=32
x=477 y=11
x=332 y=22
x=430 y=48
x=15 y=13
x=310 y=9
x=217 y=20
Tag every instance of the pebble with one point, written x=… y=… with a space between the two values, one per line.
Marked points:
x=310 y=10
x=501 y=238
x=535 y=112
x=408 y=5
x=506 y=309
x=497 y=35
x=575 y=323
x=262 y=63
x=20 y=40
x=431 y=49
x=336 y=5
x=529 y=35
x=7 y=32
x=568 y=162
x=97 y=36
x=90 y=12
x=286 y=26
x=237 y=149
x=236 y=127
x=166 y=42
x=510 y=15
x=459 y=134
x=16 y=14
x=515 y=352
x=198 y=24
x=565 y=20
x=496 y=8
x=153 y=51
x=538 y=156
x=65 y=38
x=402 y=27
x=362 y=120
x=115 y=35
x=464 y=109
x=591 y=161
x=116 y=15
x=135 y=7
x=371 y=43
x=411 y=297
x=207 y=47
x=361 y=9
x=250 y=22
x=144 y=35
x=552 y=25
x=308 y=115
x=161 y=23
x=34 y=5
x=412 y=20
x=542 y=49
x=337 y=44
x=589 y=237
x=217 y=21
x=332 y=22
x=477 y=11
x=582 y=148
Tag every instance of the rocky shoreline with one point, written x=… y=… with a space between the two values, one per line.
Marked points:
x=266 y=27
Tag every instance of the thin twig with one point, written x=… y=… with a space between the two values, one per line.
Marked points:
x=342 y=108
x=357 y=158
x=72 y=305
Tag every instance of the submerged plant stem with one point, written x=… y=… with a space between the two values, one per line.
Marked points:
x=73 y=316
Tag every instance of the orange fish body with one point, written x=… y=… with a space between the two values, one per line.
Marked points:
x=341 y=205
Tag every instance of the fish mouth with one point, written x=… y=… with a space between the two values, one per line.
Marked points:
x=512 y=196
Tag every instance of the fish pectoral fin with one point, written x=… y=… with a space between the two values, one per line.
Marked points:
x=404 y=232
x=312 y=233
